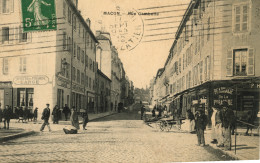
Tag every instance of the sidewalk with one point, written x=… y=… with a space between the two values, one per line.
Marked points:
x=18 y=130
x=247 y=147
x=13 y=133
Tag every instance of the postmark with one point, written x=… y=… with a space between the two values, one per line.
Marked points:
x=127 y=29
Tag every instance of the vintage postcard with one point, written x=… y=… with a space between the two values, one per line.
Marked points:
x=129 y=80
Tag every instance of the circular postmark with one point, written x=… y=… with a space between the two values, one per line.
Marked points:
x=127 y=29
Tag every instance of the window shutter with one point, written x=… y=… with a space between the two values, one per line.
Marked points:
x=229 y=63
x=11 y=5
x=16 y=34
x=11 y=34
x=250 y=67
x=1 y=6
x=237 y=18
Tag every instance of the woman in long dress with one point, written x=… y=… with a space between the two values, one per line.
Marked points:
x=74 y=118
x=35 y=7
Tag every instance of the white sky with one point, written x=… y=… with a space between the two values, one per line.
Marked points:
x=141 y=63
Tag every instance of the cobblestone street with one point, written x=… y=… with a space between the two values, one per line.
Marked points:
x=117 y=138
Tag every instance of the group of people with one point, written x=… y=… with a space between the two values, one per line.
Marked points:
x=223 y=120
x=73 y=117
x=5 y=116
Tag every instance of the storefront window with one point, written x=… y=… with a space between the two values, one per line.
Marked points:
x=25 y=97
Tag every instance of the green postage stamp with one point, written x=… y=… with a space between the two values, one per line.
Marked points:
x=38 y=15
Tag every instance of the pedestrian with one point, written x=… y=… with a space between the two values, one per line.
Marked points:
x=200 y=125
x=160 y=111
x=213 y=125
x=153 y=112
x=45 y=117
x=74 y=118
x=35 y=114
x=85 y=119
x=55 y=114
x=66 y=111
x=1 y=115
x=218 y=127
x=25 y=114
x=7 y=113
x=191 y=121
x=250 y=120
x=142 y=111
x=227 y=119
x=16 y=113
x=20 y=114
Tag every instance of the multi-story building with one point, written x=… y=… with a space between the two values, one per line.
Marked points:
x=103 y=92
x=51 y=66
x=213 y=57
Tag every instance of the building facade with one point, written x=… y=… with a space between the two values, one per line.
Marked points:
x=213 y=58
x=54 y=66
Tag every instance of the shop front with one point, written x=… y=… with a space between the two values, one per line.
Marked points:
x=6 y=91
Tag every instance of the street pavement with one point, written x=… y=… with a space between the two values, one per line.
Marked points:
x=117 y=138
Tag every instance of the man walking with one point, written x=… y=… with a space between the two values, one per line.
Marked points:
x=200 y=125
x=85 y=119
x=7 y=113
x=227 y=118
x=45 y=117
x=66 y=111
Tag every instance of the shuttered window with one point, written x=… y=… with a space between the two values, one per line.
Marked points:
x=5 y=66
x=241 y=18
x=251 y=67
x=240 y=62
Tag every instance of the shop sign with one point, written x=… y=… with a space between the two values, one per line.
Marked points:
x=38 y=15
x=223 y=94
x=63 y=82
x=31 y=80
x=5 y=84
x=77 y=88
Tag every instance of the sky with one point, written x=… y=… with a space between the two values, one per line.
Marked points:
x=154 y=33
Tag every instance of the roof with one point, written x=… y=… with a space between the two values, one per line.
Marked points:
x=75 y=10
x=101 y=37
x=103 y=75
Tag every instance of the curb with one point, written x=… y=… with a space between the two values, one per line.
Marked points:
x=15 y=136
x=226 y=153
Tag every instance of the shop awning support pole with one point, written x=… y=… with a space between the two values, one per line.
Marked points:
x=236 y=124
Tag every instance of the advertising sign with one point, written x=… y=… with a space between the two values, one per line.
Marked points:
x=38 y=15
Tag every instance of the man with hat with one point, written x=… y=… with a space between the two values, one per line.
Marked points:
x=227 y=118
x=200 y=125
x=45 y=117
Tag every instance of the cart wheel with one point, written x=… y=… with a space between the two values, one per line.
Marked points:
x=162 y=126
x=168 y=126
x=157 y=126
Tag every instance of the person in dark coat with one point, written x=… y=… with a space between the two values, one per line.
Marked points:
x=227 y=118
x=85 y=119
x=142 y=111
x=153 y=112
x=200 y=125
x=55 y=114
x=66 y=111
x=1 y=115
x=20 y=114
x=26 y=114
x=7 y=113
x=16 y=113
x=35 y=114
x=45 y=117
x=250 y=119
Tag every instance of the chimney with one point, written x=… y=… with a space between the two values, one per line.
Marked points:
x=98 y=33
x=88 y=22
